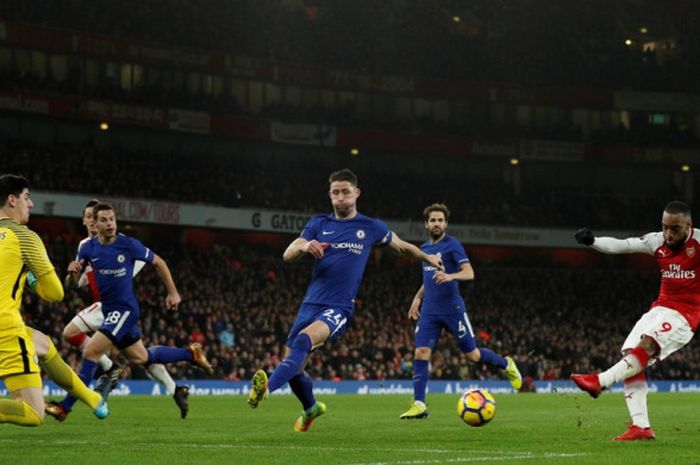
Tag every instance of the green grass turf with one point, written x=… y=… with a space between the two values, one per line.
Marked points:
x=528 y=429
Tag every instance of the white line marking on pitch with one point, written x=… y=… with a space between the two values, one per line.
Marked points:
x=515 y=456
x=490 y=456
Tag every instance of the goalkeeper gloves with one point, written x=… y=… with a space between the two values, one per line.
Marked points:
x=585 y=236
x=32 y=281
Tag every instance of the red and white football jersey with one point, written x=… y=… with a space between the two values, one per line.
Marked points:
x=680 y=274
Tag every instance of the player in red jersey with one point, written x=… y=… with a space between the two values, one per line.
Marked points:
x=671 y=321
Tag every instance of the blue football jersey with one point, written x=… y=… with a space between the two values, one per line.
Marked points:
x=113 y=266
x=443 y=298
x=337 y=275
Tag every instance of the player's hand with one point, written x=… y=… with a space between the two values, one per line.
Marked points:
x=441 y=277
x=315 y=248
x=414 y=311
x=436 y=261
x=172 y=301
x=75 y=268
x=585 y=236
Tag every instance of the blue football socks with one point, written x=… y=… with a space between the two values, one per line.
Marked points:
x=290 y=366
x=492 y=358
x=420 y=379
x=163 y=354
x=302 y=387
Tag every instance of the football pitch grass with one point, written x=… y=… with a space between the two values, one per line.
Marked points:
x=527 y=429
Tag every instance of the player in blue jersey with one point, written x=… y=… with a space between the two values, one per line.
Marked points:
x=340 y=243
x=112 y=256
x=438 y=304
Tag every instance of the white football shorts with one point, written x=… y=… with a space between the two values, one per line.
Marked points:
x=666 y=326
x=89 y=319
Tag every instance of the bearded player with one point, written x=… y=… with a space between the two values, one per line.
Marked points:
x=670 y=322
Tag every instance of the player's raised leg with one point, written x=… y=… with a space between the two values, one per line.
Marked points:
x=464 y=334
x=314 y=325
x=194 y=354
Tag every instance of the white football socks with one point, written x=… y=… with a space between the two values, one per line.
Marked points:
x=160 y=374
x=625 y=368
x=636 y=399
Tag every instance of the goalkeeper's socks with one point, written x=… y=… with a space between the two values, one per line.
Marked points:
x=18 y=412
x=492 y=358
x=302 y=387
x=60 y=373
x=290 y=366
x=87 y=371
x=420 y=379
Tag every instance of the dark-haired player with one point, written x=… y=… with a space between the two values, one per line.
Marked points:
x=340 y=244
x=670 y=322
x=438 y=304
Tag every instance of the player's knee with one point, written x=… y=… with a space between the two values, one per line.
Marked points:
x=649 y=345
x=69 y=331
x=139 y=359
x=473 y=356
x=423 y=353
x=302 y=342
x=34 y=414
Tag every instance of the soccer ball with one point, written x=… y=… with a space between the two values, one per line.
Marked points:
x=476 y=407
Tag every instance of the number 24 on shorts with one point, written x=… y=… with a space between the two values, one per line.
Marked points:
x=332 y=316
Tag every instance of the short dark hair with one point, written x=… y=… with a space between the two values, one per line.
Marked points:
x=90 y=203
x=343 y=175
x=12 y=184
x=101 y=206
x=436 y=207
x=676 y=206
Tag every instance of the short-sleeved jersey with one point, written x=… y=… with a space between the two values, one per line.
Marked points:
x=443 y=298
x=21 y=251
x=113 y=266
x=680 y=273
x=337 y=275
x=88 y=276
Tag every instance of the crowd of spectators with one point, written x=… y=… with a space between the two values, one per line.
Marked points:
x=240 y=302
x=250 y=178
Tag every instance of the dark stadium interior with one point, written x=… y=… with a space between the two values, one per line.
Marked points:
x=591 y=119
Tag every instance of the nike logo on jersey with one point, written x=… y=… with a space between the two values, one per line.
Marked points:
x=94 y=259
x=325 y=233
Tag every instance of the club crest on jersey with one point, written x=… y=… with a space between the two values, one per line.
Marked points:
x=360 y=234
x=120 y=258
x=690 y=251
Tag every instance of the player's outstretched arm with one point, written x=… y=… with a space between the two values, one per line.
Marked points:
x=406 y=248
x=173 y=298
x=611 y=245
